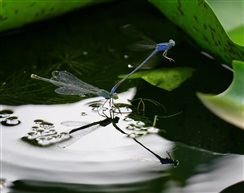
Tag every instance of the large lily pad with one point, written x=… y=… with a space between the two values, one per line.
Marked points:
x=229 y=105
x=199 y=21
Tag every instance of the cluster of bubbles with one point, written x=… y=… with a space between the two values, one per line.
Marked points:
x=44 y=134
x=138 y=129
x=7 y=120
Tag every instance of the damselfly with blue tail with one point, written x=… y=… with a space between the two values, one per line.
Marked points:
x=71 y=85
x=152 y=45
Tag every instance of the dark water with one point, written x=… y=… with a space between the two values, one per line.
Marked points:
x=89 y=44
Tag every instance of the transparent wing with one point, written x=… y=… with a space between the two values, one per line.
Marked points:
x=66 y=77
x=73 y=123
x=72 y=91
x=140 y=46
x=77 y=135
x=71 y=85
x=142 y=41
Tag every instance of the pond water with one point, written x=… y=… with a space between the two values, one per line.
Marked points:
x=104 y=159
x=154 y=141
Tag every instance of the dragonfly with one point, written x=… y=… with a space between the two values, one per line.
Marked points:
x=71 y=85
x=150 y=45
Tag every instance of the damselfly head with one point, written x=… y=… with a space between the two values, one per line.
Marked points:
x=33 y=76
x=172 y=43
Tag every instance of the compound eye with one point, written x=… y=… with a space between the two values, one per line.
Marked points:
x=172 y=42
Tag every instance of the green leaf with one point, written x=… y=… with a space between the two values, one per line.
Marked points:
x=235 y=10
x=18 y=13
x=229 y=105
x=198 y=20
x=233 y=22
x=166 y=78
x=237 y=35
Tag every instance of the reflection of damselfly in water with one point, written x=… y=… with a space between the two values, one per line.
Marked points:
x=80 y=132
x=71 y=85
x=84 y=130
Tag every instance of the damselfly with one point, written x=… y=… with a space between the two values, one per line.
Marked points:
x=152 y=45
x=71 y=85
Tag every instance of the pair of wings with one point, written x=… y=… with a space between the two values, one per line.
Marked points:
x=71 y=85
x=142 y=42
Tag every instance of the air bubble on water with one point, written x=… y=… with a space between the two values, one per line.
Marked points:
x=63 y=135
x=40 y=130
x=33 y=135
x=130 y=127
x=143 y=128
x=5 y=113
x=53 y=132
x=95 y=105
x=38 y=121
x=137 y=129
x=35 y=128
x=46 y=125
x=125 y=110
x=152 y=130
x=39 y=139
x=52 y=139
x=49 y=132
x=140 y=123
x=135 y=135
x=128 y=119
x=11 y=121
x=83 y=113
x=12 y=118
x=141 y=133
x=43 y=142
x=132 y=135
